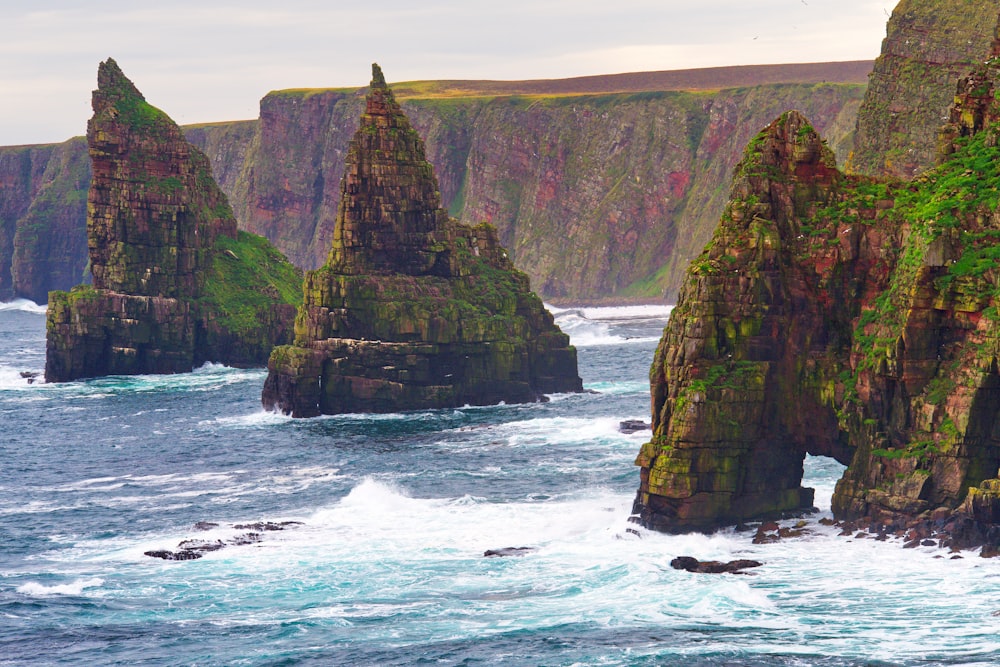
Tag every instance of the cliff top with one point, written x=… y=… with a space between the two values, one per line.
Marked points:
x=704 y=79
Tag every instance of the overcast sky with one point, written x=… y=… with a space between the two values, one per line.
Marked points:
x=204 y=61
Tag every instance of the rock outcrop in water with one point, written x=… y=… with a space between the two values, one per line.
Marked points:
x=929 y=45
x=846 y=317
x=412 y=309
x=174 y=283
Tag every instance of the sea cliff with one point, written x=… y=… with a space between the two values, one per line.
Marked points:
x=574 y=176
x=929 y=45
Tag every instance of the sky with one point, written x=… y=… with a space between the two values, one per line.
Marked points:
x=206 y=61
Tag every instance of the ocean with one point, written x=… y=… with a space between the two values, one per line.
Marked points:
x=384 y=522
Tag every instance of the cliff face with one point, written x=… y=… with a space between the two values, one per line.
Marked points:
x=846 y=317
x=929 y=45
x=573 y=184
x=590 y=193
x=174 y=284
x=412 y=309
x=43 y=204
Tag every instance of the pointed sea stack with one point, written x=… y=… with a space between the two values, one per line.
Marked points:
x=174 y=283
x=847 y=317
x=412 y=310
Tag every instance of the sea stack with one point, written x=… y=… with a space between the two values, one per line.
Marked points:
x=412 y=310
x=840 y=316
x=174 y=283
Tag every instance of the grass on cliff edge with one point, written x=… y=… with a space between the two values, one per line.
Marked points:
x=248 y=276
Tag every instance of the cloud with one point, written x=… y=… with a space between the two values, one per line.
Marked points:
x=201 y=61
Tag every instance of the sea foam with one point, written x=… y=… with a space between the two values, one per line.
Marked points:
x=23 y=305
x=35 y=589
x=588 y=327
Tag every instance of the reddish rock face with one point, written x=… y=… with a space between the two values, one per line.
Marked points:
x=839 y=316
x=413 y=309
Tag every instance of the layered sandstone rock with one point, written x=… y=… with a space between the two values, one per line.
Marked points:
x=412 y=309
x=929 y=45
x=174 y=283
x=840 y=316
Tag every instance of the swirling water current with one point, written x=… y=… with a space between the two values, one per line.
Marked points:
x=385 y=565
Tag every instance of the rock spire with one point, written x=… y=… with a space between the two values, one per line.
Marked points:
x=174 y=283
x=413 y=309
x=840 y=316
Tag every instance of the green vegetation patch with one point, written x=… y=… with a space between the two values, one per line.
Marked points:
x=248 y=276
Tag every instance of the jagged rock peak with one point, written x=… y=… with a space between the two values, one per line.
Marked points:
x=413 y=309
x=175 y=284
x=390 y=218
x=788 y=148
x=154 y=207
x=857 y=321
x=112 y=85
x=785 y=165
x=380 y=100
x=378 y=79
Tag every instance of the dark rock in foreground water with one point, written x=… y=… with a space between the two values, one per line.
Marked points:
x=507 y=551
x=630 y=426
x=712 y=566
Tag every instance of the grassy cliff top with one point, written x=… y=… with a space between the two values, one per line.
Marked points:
x=706 y=79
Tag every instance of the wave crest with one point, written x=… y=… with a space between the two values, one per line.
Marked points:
x=24 y=305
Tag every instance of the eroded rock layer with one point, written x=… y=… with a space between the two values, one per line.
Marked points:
x=412 y=308
x=841 y=316
x=929 y=45
x=174 y=283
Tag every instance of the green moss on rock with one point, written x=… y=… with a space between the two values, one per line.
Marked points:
x=412 y=309
x=842 y=316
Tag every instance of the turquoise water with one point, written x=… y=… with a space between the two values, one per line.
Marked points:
x=386 y=565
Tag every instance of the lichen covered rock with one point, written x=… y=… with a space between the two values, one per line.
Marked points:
x=174 y=283
x=841 y=316
x=929 y=45
x=412 y=308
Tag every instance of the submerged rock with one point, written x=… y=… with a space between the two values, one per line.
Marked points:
x=846 y=317
x=630 y=426
x=174 y=283
x=412 y=309
x=690 y=564
x=173 y=555
x=196 y=548
x=507 y=551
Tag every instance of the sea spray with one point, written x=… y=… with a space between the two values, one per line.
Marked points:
x=23 y=305
x=604 y=326
x=396 y=513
